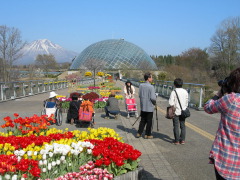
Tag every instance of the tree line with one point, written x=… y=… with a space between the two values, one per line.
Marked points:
x=216 y=61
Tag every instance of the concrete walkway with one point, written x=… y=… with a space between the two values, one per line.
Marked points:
x=154 y=164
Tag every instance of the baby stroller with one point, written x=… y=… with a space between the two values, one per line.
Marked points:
x=131 y=107
x=86 y=114
x=53 y=109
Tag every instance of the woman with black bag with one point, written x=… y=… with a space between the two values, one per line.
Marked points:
x=72 y=116
x=179 y=99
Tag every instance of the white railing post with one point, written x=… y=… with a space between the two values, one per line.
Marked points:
x=200 y=98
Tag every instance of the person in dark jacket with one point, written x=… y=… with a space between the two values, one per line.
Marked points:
x=112 y=106
x=73 y=109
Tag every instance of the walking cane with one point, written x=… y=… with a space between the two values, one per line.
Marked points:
x=156 y=111
x=157 y=118
x=136 y=119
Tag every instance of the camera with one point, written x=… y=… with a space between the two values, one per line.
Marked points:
x=224 y=86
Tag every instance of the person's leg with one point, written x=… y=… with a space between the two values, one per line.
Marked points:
x=149 y=118
x=183 y=129
x=218 y=176
x=176 y=128
x=106 y=111
x=142 y=123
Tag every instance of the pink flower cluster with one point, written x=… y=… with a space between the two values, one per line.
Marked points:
x=102 y=99
x=93 y=87
x=64 y=99
x=88 y=172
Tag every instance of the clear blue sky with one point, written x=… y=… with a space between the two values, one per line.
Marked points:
x=160 y=27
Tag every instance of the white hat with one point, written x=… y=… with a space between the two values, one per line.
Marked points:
x=52 y=94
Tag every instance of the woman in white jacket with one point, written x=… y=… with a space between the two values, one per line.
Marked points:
x=129 y=90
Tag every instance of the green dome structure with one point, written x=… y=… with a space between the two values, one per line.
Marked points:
x=115 y=54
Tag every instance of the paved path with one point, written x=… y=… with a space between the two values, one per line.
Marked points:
x=160 y=159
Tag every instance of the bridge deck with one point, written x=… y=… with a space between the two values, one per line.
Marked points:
x=160 y=158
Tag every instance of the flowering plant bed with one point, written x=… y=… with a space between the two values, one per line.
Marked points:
x=31 y=150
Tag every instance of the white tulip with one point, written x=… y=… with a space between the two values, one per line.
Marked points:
x=19 y=158
x=16 y=153
x=40 y=162
x=80 y=149
x=62 y=158
x=44 y=170
x=53 y=163
x=50 y=154
x=35 y=153
x=58 y=162
x=14 y=177
x=22 y=152
x=45 y=162
x=89 y=151
x=7 y=176
x=70 y=164
x=29 y=153
x=44 y=156
x=49 y=167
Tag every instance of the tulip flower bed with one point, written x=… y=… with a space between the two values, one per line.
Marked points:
x=29 y=149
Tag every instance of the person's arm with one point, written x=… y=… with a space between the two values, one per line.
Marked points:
x=133 y=90
x=107 y=102
x=153 y=97
x=171 y=99
x=187 y=99
x=125 y=90
x=219 y=105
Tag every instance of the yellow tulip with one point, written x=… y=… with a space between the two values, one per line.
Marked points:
x=39 y=156
x=9 y=153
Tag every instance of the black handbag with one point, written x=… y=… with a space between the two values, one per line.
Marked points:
x=184 y=113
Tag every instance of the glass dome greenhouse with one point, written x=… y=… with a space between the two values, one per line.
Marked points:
x=114 y=54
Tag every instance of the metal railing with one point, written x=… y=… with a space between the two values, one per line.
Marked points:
x=20 y=89
x=164 y=89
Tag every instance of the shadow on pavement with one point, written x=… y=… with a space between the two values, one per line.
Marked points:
x=155 y=134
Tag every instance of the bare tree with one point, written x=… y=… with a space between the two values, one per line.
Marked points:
x=45 y=62
x=11 y=45
x=94 y=65
x=225 y=47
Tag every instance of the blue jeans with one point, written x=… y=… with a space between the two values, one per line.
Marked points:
x=110 y=112
x=176 y=121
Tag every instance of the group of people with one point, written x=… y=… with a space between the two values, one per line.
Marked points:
x=225 y=151
x=148 y=98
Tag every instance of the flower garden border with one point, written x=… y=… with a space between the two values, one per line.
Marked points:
x=132 y=175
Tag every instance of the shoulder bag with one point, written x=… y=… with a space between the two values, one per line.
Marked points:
x=184 y=113
x=170 y=112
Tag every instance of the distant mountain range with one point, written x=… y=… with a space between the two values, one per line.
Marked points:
x=45 y=46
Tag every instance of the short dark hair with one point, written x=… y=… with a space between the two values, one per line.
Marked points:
x=112 y=94
x=147 y=75
x=75 y=97
x=233 y=81
x=178 y=83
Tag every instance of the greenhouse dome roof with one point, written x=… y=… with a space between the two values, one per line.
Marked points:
x=116 y=54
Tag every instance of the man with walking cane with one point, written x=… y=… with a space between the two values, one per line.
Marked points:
x=147 y=103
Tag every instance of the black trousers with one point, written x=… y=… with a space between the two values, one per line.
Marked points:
x=218 y=176
x=146 y=120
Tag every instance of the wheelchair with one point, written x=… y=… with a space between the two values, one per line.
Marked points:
x=57 y=114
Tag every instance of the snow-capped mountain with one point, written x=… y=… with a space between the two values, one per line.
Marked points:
x=44 y=46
